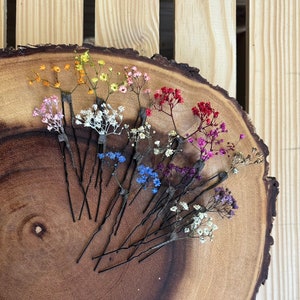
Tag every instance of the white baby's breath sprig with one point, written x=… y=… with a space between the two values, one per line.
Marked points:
x=201 y=227
x=103 y=118
x=168 y=149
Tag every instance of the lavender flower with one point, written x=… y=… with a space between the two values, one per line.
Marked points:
x=222 y=202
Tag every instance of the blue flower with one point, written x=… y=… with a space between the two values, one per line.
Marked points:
x=113 y=156
x=146 y=175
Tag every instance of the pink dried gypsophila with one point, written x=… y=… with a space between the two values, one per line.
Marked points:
x=50 y=114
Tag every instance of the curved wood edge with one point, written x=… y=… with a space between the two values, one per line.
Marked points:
x=273 y=191
x=271 y=184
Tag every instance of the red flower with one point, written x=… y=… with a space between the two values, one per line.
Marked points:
x=148 y=112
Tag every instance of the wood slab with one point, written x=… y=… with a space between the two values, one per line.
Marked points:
x=40 y=243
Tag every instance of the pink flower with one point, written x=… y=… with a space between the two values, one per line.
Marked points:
x=123 y=89
x=50 y=114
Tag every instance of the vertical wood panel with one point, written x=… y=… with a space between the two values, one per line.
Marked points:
x=274 y=106
x=205 y=37
x=49 y=21
x=128 y=24
x=2 y=23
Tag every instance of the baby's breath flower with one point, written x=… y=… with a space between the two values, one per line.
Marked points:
x=95 y=80
x=169 y=152
x=101 y=62
x=50 y=114
x=103 y=77
x=147 y=175
x=184 y=205
x=56 y=69
x=104 y=119
x=123 y=89
x=67 y=67
x=201 y=227
x=114 y=87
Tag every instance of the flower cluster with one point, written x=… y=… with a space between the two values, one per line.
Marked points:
x=104 y=119
x=202 y=226
x=147 y=175
x=135 y=135
x=222 y=202
x=208 y=135
x=136 y=80
x=176 y=193
x=51 y=114
x=116 y=156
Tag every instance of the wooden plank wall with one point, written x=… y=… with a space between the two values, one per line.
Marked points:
x=205 y=37
x=48 y=21
x=274 y=106
x=128 y=24
x=2 y=23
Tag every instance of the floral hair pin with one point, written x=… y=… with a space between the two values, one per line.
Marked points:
x=135 y=168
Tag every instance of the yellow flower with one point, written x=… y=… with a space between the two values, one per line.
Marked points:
x=101 y=62
x=94 y=80
x=91 y=92
x=42 y=67
x=57 y=85
x=110 y=69
x=56 y=69
x=67 y=67
x=30 y=82
x=78 y=67
x=114 y=87
x=85 y=57
x=103 y=77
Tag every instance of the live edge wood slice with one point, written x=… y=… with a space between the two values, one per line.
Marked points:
x=39 y=242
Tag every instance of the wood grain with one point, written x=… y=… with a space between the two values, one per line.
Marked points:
x=274 y=107
x=44 y=22
x=205 y=37
x=2 y=23
x=128 y=24
x=36 y=195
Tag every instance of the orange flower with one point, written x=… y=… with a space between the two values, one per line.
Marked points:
x=67 y=67
x=38 y=78
x=81 y=80
x=91 y=92
x=46 y=83
x=57 y=85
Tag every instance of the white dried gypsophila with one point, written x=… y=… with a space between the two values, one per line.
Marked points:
x=104 y=119
x=202 y=227
x=169 y=152
x=166 y=150
x=141 y=133
x=184 y=205
x=174 y=208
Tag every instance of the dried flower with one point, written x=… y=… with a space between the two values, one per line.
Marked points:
x=104 y=119
x=147 y=175
x=51 y=114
